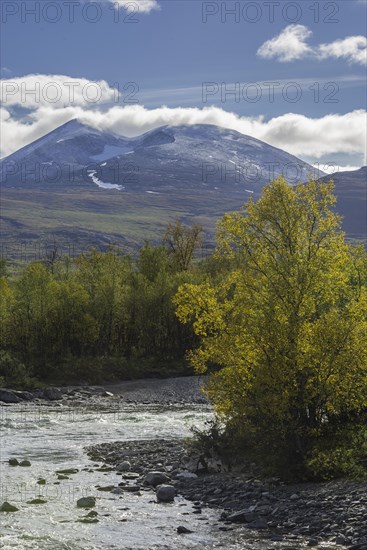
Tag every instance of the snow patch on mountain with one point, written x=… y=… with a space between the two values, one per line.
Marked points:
x=103 y=185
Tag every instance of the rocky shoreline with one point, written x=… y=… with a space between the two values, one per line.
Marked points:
x=310 y=514
x=329 y=515
x=9 y=396
x=183 y=390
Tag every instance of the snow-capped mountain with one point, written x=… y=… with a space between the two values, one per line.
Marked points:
x=83 y=187
x=161 y=160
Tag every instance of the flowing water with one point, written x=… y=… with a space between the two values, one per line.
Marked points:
x=52 y=437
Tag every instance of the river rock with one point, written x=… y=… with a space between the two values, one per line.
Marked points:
x=8 y=396
x=52 y=394
x=242 y=516
x=86 y=502
x=130 y=475
x=156 y=478
x=6 y=507
x=124 y=466
x=24 y=463
x=166 y=493
x=24 y=395
x=181 y=530
x=186 y=475
x=13 y=462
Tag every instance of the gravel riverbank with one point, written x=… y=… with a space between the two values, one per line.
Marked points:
x=318 y=513
x=182 y=390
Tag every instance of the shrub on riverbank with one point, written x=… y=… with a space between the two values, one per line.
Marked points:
x=334 y=453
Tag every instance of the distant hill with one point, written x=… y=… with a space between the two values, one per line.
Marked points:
x=351 y=191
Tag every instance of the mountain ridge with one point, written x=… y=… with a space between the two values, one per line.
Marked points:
x=200 y=154
x=113 y=189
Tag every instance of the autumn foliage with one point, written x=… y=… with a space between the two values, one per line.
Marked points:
x=285 y=330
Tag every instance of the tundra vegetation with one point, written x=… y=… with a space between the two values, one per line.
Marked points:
x=277 y=317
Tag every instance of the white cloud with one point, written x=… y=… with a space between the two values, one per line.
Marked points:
x=297 y=134
x=291 y=44
x=352 y=48
x=35 y=90
x=300 y=135
x=141 y=6
x=333 y=168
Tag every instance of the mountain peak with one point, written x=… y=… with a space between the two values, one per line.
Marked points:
x=164 y=158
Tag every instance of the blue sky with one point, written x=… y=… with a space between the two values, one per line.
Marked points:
x=169 y=51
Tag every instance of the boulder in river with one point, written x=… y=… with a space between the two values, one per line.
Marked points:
x=24 y=395
x=156 y=478
x=37 y=501
x=124 y=466
x=181 y=530
x=6 y=507
x=24 y=463
x=166 y=493
x=52 y=394
x=13 y=462
x=86 y=502
x=8 y=396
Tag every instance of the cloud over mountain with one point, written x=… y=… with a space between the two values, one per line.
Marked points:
x=26 y=117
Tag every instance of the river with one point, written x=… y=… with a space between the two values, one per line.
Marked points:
x=52 y=437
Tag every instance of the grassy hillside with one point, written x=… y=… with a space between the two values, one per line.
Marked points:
x=96 y=217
